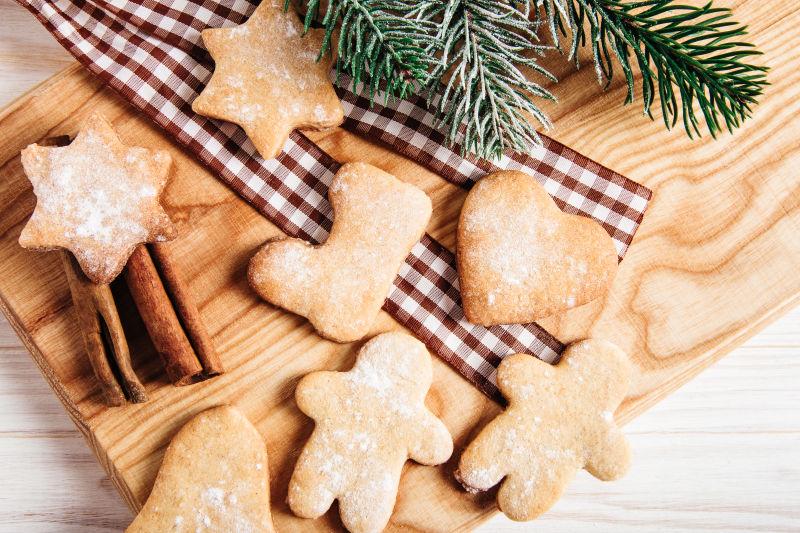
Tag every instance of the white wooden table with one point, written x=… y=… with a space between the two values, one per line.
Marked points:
x=721 y=454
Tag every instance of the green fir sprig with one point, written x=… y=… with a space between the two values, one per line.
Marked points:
x=474 y=59
x=482 y=98
x=378 y=43
x=691 y=57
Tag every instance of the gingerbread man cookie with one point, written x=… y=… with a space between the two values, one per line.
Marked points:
x=341 y=285
x=520 y=258
x=559 y=419
x=369 y=421
x=214 y=477
x=267 y=78
x=97 y=197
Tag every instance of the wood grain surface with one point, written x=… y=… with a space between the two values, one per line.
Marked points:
x=696 y=288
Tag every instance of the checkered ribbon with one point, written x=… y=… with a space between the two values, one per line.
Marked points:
x=150 y=52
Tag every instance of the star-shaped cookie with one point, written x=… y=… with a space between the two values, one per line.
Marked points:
x=267 y=78
x=97 y=198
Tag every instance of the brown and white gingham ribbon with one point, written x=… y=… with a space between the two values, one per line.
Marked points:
x=149 y=51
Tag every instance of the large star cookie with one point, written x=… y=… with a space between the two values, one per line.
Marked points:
x=341 y=285
x=267 y=78
x=97 y=198
x=214 y=478
x=559 y=419
x=520 y=258
x=369 y=421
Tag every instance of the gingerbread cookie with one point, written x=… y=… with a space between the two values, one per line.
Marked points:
x=520 y=258
x=369 y=421
x=97 y=198
x=214 y=477
x=267 y=78
x=559 y=419
x=341 y=285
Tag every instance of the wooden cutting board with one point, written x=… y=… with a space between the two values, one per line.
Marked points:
x=715 y=261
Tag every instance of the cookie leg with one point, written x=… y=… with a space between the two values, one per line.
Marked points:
x=610 y=458
x=368 y=508
x=309 y=501
x=522 y=498
x=482 y=466
x=309 y=495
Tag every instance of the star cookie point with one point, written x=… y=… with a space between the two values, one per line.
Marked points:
x=97 y=198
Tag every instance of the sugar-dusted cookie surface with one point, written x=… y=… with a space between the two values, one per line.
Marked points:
x=214 y=478
x=559 y=419
x=368 y=422
x=97 y=198
x=341 y=285
x=520 y=258
x=267 y=78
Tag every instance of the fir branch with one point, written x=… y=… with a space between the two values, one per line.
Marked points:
x=691 y=57
x=377 y=42
x=484 y=101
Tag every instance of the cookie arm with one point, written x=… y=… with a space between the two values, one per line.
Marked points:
x=432 y=444
x=609 y=458
x=314 y=394
x=604 y=364
x=522 y=369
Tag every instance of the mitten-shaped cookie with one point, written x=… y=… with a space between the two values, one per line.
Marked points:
x=341 y=285
x=559 y=419
x=269 y=79
x=214 y=477
x=520 y=258
x=369 y=421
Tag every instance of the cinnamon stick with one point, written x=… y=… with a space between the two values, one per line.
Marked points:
x=102 y=331
x=187 y=311
x=158 y=315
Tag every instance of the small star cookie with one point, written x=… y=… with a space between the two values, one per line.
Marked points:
x=369 y=421
x=214 y=478
x=97 y=198
x=559 y=419
x=267 y=78
x=520 y=258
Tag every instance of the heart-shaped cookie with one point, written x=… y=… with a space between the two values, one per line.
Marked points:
x=214 y=477
x=520 y=258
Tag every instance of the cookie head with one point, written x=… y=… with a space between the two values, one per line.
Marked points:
x=267 y=78
x=214 y=477
x=341 y=285
x=368 y=422
x=520 y=258
x=97 y=198
x=559 y=419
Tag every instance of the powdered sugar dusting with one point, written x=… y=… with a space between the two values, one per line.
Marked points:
x=372 y=416
x=377 y=220
x=97 y=196
x=559 y=419
x=517 y=248
x=267 y=78
x=223 y=493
